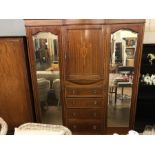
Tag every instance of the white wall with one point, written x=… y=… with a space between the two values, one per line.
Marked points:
x=12 y=27
x=149 y=33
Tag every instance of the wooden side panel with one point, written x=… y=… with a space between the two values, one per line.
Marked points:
x=15 y=102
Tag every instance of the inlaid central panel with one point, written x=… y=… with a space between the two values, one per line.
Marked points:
x=84 y=55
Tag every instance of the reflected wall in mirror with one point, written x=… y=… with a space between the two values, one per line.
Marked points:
x=122 y=55
x=46 y=54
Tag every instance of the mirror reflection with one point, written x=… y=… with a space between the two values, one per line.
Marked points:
x=122 y=54
x=47 y=70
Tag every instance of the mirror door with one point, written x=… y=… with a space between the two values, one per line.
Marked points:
x=121 y=75
x=46 y=55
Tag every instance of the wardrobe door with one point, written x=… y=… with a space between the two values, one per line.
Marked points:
x=44 y=53
x=124 y=71
x=84 y=54
x=15 y=99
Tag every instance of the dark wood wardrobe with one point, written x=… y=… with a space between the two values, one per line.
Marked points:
x=16 y=102
x=84 y=55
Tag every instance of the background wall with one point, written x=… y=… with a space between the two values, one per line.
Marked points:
x=149 y=34
x=12 y=27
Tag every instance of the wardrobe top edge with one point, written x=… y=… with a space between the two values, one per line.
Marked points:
x=61 y=22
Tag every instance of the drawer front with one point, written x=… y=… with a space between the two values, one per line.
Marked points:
x=85 y=113
x=84 y=103
x=84 y=92
x=85 y=126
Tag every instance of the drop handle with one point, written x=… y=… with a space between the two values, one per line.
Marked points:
x=95 y=102
x=94 y=91
x=94 y=127
x=73 y=92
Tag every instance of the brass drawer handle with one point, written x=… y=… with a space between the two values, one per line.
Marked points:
x=73 y=92
x=94 y=127
x=94 y=91
x=95 y=102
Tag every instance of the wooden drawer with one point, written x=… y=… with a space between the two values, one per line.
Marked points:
x=85 y=113
x=84 y=102
x=84 y=92
x=86 y=126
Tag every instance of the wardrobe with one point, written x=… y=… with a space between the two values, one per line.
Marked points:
x=87 y=61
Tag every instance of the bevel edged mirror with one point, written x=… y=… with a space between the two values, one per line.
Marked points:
x=121 y=74
x=46 y=54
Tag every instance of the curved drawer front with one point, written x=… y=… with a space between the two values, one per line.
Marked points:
x=84 y=92
x=85 y=113
x=84 y=102
x=85 y=126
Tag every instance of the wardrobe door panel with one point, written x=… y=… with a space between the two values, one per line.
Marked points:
x=124 y=71
x=84 y=55
x=15 y=101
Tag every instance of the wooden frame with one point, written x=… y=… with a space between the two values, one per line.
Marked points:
x=60 y=22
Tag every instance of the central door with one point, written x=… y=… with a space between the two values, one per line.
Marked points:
x=84 y=55
x=84 y=74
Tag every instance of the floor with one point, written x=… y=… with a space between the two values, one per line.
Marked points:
x=53 y=115
x=118 y=114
